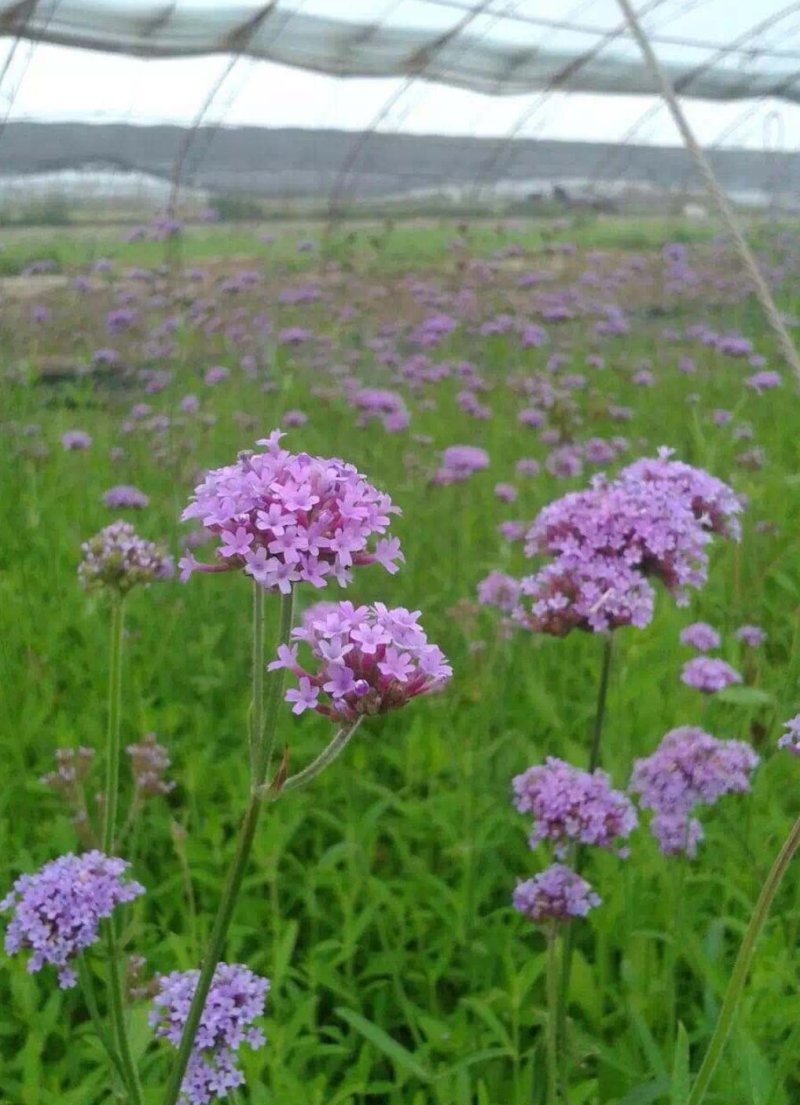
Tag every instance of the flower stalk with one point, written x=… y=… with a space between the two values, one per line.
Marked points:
x=263 y=724
x=594 y=763
x=741 y=967
x=119 y=1032
x=554 y=998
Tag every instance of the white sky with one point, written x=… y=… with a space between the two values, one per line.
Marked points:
x=46 y=82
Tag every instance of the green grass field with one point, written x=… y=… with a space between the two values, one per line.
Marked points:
x=378 y=901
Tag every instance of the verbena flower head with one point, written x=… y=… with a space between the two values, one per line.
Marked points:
x=791 y=738
x=568 y=804
x=689 y=768
x=648 y=529
x=118 y=559
x=284 y=518
x=236 y=999
x=701 y=636
x=149 y=762
x=715 y=505
x=459 y=462
x=365 y=660
x=709 y=674
x=56 y=912
x=584 y=590
x=125 y=497
x=76 y=440
x=751 y=635
x=500 y=590
x=556 y=894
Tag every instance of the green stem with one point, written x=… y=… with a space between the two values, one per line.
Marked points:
x=741 y=967
x=602 y=698
x=117 y=1010
x=577 y=854
x=277 y=682
x=263 y=728
x=257 y=677
x=323 y=760
x=553 y=1015
x=111 y=802
x=673 y=947
x=111 y=796
x=90 y=997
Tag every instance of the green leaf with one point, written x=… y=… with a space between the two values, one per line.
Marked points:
x=680 y=1069
x=646 y=1093
x=745 y=696
x=399 y=1055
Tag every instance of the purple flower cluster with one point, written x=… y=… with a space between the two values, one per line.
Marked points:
x=709 y=674
x=236 y=999
x=76 y=440
x=380 y=403
x=714 y=504
x=595 y=593
x=118 y=559
x=286 y=518
x=499 y=590
x=125 y=497
x=791 y=738
x=556 y=894
x=459 y=462
x=149 y=763
x=689 y=768
x=700 y=635
x=654 y=521
x=751 y=635
x=367 y=660
x=570 y=805
x=56 y=912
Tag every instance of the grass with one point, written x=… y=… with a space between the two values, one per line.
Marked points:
x=378 y=902
x=399 y=244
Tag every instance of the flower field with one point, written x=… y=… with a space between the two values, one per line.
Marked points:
x=479 y=686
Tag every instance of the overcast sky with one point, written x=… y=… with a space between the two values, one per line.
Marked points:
x=46 y=82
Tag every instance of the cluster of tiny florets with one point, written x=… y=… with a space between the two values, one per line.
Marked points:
x=689 y=768
x=366 y=660
x=459 y=462
x=570 y=805
x=118 y=559
x=700 y=635
x=236 y=999
x=56 y=912
x=499 y=590
x=556 y=894
x=149 y=763
x=608 y=542
x=284 y=518
x=709 y=674
x=584 y=590
x=791 y=738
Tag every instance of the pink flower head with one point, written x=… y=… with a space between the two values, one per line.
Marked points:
x=791 y=738
x=689 y=768
x=235 y=1002
x=583 y=591
x=555 y=894
x=459 y=462
x=56 y=912
x=366 y=660
x=709 y=674
x=568 y=804
x=700 y=635
x=751 y=635
x=284 y=518
x=714 y=504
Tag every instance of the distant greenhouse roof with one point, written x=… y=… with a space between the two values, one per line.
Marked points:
x=711 y=49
